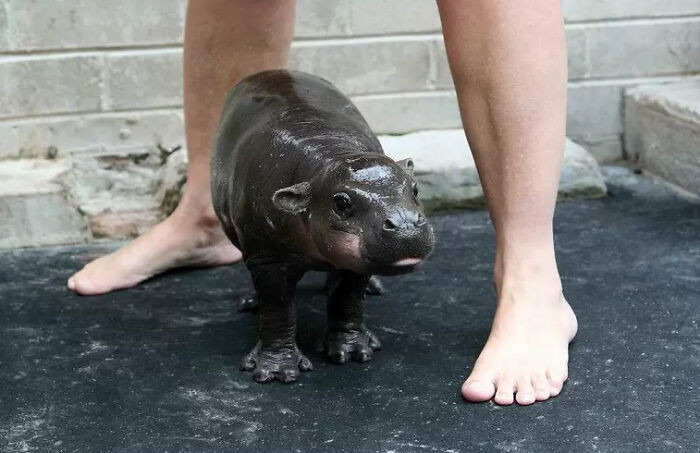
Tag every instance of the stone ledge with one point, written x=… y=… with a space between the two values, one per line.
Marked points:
x=119 y=193
x=680 y=99
x=448 y=177
x=662 y=130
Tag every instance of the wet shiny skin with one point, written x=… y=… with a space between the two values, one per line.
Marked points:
x=300 y=182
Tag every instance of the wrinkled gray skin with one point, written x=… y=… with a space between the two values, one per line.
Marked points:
x=300 y=183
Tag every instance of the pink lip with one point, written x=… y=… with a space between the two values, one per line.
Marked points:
x=407 y=262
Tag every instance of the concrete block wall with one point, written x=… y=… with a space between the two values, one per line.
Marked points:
x=98 y=74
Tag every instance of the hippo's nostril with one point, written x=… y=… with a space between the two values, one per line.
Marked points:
x=421 y=221
x=389 y=225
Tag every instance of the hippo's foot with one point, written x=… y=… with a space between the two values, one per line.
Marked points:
x=268 y=364
x=375 y=287
x=353 y=343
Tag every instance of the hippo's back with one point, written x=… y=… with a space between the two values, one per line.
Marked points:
x=278 y=127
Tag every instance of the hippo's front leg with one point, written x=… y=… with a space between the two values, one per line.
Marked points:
x=347 y=337
x=276 y=355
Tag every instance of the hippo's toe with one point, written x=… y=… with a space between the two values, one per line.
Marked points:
x=357 y=344
x=282 y=364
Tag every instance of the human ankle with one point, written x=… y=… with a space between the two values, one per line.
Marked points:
x=524 y=265
x=198 y=212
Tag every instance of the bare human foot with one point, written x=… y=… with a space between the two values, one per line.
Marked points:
x=527 y=352
x=180 y=240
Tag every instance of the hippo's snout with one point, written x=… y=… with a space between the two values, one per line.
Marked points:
x=405 y=240
x=404 y=222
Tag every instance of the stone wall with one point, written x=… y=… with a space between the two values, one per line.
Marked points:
x=98 y=74
x=91 y=125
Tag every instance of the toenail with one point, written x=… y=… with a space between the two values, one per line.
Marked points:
x=71 y=283
x=503 y=399
x=478 y=391
x=475 y=386
x=527 y=398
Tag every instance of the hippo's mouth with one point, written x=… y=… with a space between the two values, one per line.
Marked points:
x=407 y=262
x=402 y=266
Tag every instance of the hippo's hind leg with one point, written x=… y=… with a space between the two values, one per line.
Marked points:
x=346 y=336
x=276 y=355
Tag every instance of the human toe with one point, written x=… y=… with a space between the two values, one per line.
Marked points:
x=525 y=394
x=556 y=378
x=541 y=386
x=505 y=388
x=478 y=390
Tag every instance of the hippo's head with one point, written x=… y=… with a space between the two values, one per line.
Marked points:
x=363 y=215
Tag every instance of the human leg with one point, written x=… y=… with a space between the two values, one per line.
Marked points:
x=225 y=40
x=508 y=62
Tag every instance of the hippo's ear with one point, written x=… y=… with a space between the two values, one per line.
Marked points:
x=406 y=164
x=293 y=199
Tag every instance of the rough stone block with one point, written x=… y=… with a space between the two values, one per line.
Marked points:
x=662 y=127
x=643 y=48
x=583 y=10
x=448 y=178
x=45 y=85
x=46 y=137
x=442 y=78
x=63 y=24
x=122 y=192
x=321 y=18
x=409 y=112
x=594 y=118
x=367 y=65
x=142 y=79
x=594 y=109
x=9 y=141
x=394 y=16
x=577 y=52
x=605 y=149
x=35 y=206
x=4 y=32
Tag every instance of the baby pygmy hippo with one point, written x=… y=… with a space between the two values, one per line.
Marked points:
x=300 y=183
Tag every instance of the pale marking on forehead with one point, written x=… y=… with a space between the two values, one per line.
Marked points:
x=377 y=191
x=375 y=174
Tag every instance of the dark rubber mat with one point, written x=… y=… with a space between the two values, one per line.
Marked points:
x=155 y=368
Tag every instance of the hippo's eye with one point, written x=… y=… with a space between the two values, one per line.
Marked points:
x=342 y=203
x=415 y=190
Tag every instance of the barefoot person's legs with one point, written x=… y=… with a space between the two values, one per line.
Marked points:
x=508 y=61
x=225 y=40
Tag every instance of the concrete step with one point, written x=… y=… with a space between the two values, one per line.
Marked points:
x=447 y=174
x=662 y=131
x=35 y=204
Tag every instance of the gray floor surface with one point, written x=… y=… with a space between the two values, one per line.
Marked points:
x=155 y=368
